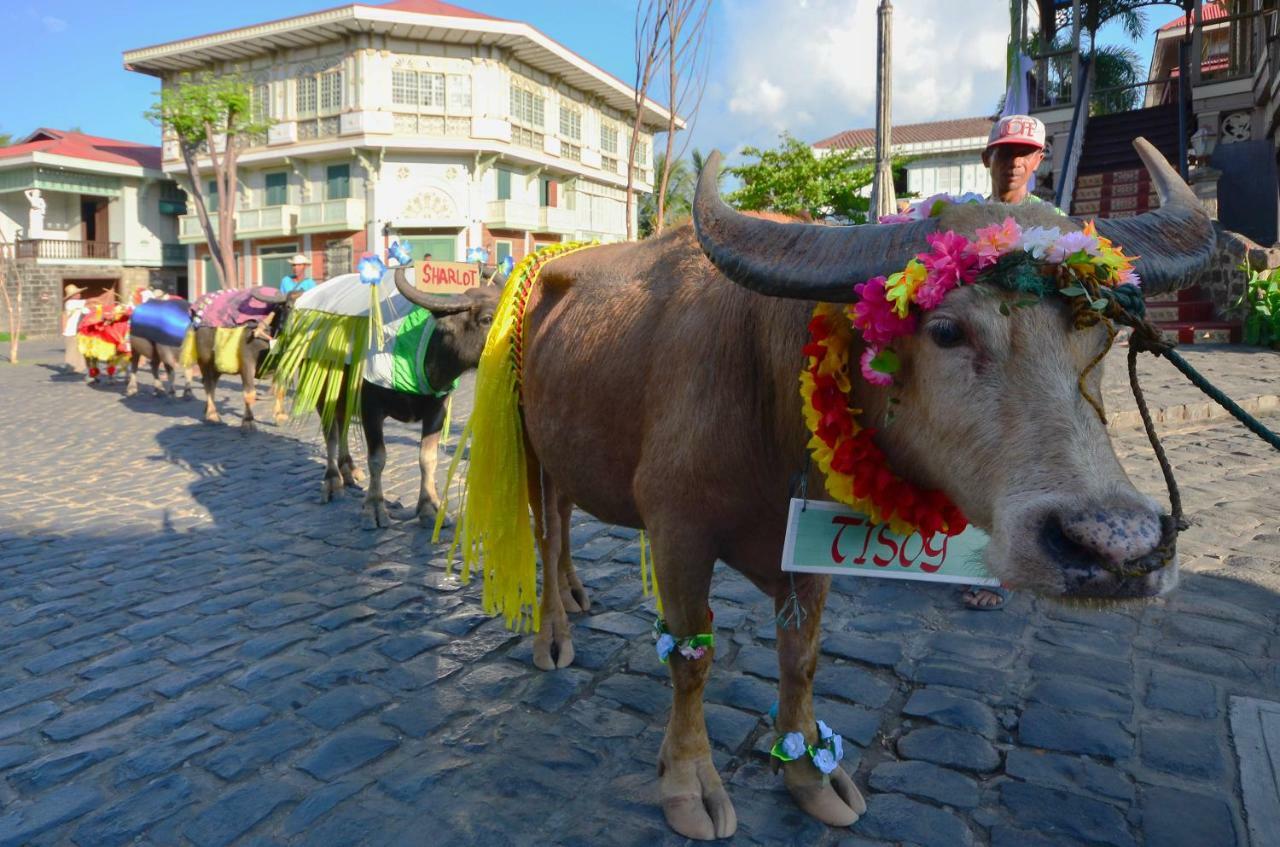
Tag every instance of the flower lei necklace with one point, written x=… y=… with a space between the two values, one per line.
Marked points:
x=1082 y=266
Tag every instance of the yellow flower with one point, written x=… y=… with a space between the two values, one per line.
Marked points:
x=900 y=287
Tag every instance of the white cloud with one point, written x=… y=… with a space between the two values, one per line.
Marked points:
x=53 y=24
x=809 y=67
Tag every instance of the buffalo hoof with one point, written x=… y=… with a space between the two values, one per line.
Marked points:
x=188 y=394
x=374 y=515
x=330 y=488
x=213 y=418
x=352 y=475
x=247 y=426
x=552 y=647
x=694 y=801
x=131 y=389
x=835 y=801
x=281 y=419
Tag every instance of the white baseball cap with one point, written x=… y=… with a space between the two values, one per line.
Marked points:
x=300 y=259
x=1017 y=129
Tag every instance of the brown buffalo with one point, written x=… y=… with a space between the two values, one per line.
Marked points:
x=659 y=391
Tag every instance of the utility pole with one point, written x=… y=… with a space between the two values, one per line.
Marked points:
x=883 y=201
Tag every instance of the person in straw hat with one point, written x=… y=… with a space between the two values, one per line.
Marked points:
x=74 y=307
x=299 y=277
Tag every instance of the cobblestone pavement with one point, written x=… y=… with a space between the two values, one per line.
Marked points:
x=195 y=652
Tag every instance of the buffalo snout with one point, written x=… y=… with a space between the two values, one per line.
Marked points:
x=1114 y=552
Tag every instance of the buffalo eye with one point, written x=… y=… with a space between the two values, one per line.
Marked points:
x=946 y=333
x=486 y=320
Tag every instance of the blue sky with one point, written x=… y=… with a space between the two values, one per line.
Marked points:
x=806 y=66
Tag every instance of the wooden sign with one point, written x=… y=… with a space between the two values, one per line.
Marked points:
x=830 y=538
x=446 y=277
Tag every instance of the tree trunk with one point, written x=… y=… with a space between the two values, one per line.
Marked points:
x=10 y=278
x=202 y=209
x=229 y=244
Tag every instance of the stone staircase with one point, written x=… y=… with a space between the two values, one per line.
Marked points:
x=1189 y=317
x=1111 y=181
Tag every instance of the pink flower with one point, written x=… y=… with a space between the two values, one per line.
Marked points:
x=1130 y=277
x=992 y=242
x=949 y=263
x=870 y=374
x=902 y=218
x=873 y=314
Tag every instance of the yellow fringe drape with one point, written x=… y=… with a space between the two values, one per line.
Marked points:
x=493 y=528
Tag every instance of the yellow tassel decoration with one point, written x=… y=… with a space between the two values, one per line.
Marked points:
x=648 y=574
x=494 y=528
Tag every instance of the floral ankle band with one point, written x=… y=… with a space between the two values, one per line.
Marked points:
x=826 y=754
x=693 y=647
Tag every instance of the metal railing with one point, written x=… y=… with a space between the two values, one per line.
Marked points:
x=1247 y=37
x=1075 y=141
x=51 y=248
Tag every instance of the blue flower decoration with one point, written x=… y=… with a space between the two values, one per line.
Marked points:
x=824 y=760
x=793 y=745
x=399 y=253
x=666 y=643
x=837 y=746
x=371 y=269
x=507 y=265
x=477 y=254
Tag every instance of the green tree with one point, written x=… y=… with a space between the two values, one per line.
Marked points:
x=679 y=200
x=211 y=116
x=793 y=180
x=6 y=139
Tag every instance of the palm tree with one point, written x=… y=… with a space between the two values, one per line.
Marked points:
x=679 y=199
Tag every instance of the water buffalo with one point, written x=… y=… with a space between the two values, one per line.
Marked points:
x=659 y=390
x=156 y=332
x=260 y=321
x=461 y=324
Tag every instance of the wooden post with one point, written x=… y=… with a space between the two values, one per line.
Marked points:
x=883 y=201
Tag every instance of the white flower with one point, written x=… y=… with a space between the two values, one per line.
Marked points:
x=665 y=645
x=837 y=746
x=1072 y=243
x=1038 y=240
x=824 y=761
x=793 y=746
x=824 y=731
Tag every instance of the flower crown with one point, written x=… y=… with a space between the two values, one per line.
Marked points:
x=1036 y=261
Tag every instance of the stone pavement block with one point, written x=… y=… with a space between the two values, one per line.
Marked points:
x=151 y=627
x=641 y=693
x=12 y=755
x=18 y=826
x=855 y=723
x=344 y=640
x=1193 y=629
x=417 y=673
x=1053 y=729
x=90 y=629
x=59 y=767
x=1076 y=696
x=894 y=817
x=239 y=811
x=319 y=803
x=1060 y=812
x=1175 y=818
x=742 y=691
x=262 y=674
x=618 y=623
x=57 y=659
x=260 y=747
x=12 y=696
x=920 y=779
x=84 y=721
x=729 y=727
x=362 y=666
x=949 y=747
x=847 y=682
x=240 y=718
x=120 y=659
x=403 y=647
x=166 y=719
x=1193 y=753
x=121 y=823
x=1111 y=673
x=270 y=643
x=343 y=616
x=415 y=718
x=551 y=691
x=1073 y=773
x=177 y=683
x=347 y=751
x=758 y=661
x=950 y=710
x=1004 y=836
x=116 y=681
x=983 y=680
x=170 y=603
x=343 y=705
x=161 y=756
x=974 y=648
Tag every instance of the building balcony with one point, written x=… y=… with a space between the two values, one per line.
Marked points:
x=509 y=214
x=560 y=221
x=346 y=215
x=64 y=250
x=266 y=222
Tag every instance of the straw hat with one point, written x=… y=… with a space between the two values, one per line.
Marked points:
x=71 y=290
x=299 y=259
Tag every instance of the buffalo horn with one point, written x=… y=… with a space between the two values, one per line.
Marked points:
x=798 y=260
x=437 y=304
x=270 y=295
x=1174 y=242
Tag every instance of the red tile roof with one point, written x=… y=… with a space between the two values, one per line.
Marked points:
x=911 y=133
x=1211 y=11
x=430 y=7
x=77 y=145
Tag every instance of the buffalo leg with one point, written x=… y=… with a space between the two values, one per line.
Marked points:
x=375 y=506
x=428 y=497
x=209 y=378
x=572 y=592
x=551 y=521
x=131 y=388
x=835 y=800
x=333 y=481
x=694 y=800
x=249 y=387
x=277 y=409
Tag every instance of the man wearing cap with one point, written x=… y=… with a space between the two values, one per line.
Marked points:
x=1014 y=151
x=73 y=309
x=299 y=278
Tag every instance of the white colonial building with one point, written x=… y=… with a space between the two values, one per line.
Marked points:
x=414 y=120
x=942 y=156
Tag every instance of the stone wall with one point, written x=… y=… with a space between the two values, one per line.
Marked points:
x=42 y=290
x=1223 y=282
